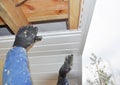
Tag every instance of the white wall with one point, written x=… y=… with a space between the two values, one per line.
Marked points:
x=104 y=35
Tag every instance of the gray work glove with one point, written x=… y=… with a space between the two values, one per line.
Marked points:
x=66 y=67
x=26 y=36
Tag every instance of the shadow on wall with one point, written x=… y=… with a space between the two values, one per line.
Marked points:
x=43 y=27
x=4 y=30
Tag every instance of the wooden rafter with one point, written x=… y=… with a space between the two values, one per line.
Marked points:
x=12 y=16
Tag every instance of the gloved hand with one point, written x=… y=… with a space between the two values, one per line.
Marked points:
x=66 y=67
x=26 y=36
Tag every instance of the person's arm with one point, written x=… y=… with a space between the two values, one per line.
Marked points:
x=16 y=69
x=64 y=70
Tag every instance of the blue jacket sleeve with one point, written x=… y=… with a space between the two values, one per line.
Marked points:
x=16 y=70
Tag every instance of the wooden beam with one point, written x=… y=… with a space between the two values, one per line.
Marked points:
x=12 y=15
x=74 y=13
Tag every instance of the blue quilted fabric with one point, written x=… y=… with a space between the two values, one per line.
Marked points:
x=16 y=70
